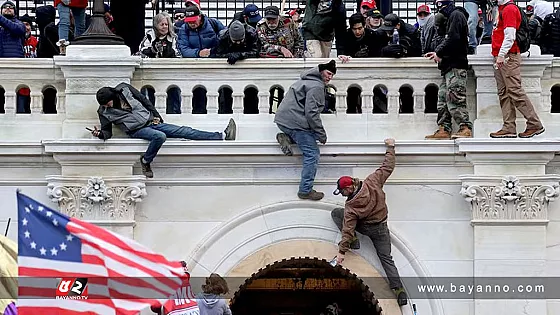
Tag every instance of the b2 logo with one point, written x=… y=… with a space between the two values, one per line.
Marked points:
x=72 y=288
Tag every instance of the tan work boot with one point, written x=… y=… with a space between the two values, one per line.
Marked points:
x=464 y=132
x=503 y=134
x=528 y=133
x=440 y=134
x=312 y=195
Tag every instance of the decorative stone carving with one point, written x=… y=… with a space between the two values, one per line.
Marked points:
x=97 y=200
x=509 y=200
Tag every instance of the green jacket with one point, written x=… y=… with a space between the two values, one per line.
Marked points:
x=324 y=26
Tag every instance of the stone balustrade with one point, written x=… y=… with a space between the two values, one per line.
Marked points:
x=409 y=86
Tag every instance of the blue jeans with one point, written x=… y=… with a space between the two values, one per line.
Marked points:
x=157 y=134
x=307 y=143
x=64 y=21
x=472 y=10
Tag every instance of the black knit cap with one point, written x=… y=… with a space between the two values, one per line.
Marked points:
x=331 y=66
x=105 y=95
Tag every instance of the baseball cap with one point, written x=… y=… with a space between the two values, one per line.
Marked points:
x=343 y=182
x=271 y=12
x=390 y=22
x=251 y=11
x=423 y=8
x=193 y=2
x=370 y=4
x=191 y=14
x=374 y=14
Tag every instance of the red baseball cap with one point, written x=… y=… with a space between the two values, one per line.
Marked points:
x=195 y=2
x=423 y=8
x=343 y=182
x=191 y=14
x=368 y=3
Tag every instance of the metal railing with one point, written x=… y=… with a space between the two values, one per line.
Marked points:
x=224 y=10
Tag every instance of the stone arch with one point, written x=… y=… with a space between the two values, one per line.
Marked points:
x=23 y=99
x=2 y=100
x=149 y=92
x=49 y=99
x=431 y=98
x=199 y=99
x=304 y=283
x=380 y=99
x=225 y=100
x=406 y=99
x=555 y=98
x=232 y=242
x=354 y=99
x=251 y=100
x=276 y=93
x=173 y=100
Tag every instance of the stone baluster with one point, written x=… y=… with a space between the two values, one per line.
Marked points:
x=367 y=101
x=341 y=102
x=161 y=102
x=10 y=103
x=186 y=104
x=212 y=105
x=60 y=102
x=36 y=102
x=393 y=105
x=237 y=102
x=264 y=106
x=419 y=105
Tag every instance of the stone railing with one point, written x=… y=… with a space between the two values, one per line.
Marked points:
x=409 y=86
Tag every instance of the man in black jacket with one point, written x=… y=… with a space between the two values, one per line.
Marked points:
x=408 y=44
x=238 y=42
x=131 y=111
x=360 y=42
x=451 y=56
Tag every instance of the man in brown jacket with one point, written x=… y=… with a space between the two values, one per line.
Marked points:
x=365 y=211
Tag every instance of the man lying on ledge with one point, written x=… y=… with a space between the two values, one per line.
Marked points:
x=131 y=111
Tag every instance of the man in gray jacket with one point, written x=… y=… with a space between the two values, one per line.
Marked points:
x=131 y=111
x=299 y=119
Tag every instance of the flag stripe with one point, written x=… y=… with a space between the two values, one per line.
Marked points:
x=53 y=268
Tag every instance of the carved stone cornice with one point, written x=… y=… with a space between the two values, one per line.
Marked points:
x=98 y=199
x=510 y=200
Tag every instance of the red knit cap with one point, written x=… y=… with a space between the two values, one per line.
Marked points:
x=343 y=182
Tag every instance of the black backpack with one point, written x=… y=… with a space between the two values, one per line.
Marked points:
x=523 y=34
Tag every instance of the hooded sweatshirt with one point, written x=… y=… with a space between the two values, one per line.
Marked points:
x=453 y=50
x=212 y=304
x=12 y=36
x=302 y=105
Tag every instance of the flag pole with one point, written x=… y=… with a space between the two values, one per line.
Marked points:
x=7 y=227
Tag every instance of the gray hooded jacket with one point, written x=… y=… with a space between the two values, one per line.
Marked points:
x=212 y=304
x=302 y=106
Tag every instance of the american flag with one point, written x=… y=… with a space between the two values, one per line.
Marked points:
x=124 y=277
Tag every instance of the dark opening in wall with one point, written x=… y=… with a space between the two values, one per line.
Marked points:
x=431 y=98
x=150 y=93
x=173 y=103
x=406 y=99
x=380 y=99
x=225 y=100
x=354 y=100
x=23 y=100
x=555 y=99
x=251 y=100
x=49 y=100
x=2 y=100
x=199 y=100
x=276 y=96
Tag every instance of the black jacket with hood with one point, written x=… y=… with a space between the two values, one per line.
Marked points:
x=454 y=48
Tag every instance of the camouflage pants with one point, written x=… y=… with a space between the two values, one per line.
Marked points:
x=452 y=100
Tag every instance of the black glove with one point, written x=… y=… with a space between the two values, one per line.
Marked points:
x=393 y=51
x=233 y=57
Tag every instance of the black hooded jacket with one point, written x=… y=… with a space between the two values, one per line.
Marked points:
x=454 y=48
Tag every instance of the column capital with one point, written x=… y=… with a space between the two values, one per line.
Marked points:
x=510 y=200
x=109 y=200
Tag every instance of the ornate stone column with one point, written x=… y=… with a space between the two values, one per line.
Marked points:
x=108 y=202
x=509 y=194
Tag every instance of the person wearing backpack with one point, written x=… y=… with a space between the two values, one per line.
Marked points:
x=550 y=34
x=509 y=40
x=198 y=37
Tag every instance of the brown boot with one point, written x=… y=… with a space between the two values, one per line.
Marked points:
x=312 y=195
x=464 y=132
x=528 y=133
x=503 y=134
x=440 y=134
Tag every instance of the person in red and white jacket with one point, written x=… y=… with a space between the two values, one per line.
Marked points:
x=76 y=8
x=507 y=71
x=30 y=42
